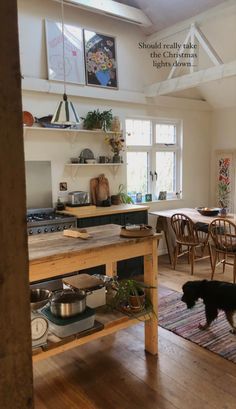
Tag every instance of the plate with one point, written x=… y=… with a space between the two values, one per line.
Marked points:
x=208 y=211
x=28 y=118
x=143 y=231
x=86 y=154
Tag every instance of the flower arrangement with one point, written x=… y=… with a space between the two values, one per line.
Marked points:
x=224 y=182
x=100 y=61
x=116 y=143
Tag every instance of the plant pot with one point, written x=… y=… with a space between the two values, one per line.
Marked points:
x=116 y=199
x=137 y=301
x=116 y=159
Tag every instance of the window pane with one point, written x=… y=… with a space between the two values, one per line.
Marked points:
x=165 y=133
x=165 y=167
x=138 y=132
x=137 y=163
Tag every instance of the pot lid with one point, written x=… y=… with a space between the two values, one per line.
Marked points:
x=67 y=296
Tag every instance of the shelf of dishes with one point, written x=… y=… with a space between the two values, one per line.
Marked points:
x=55 y=129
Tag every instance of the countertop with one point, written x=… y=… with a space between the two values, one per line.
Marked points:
x=93 y=211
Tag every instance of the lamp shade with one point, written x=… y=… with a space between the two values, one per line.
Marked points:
x=65 y=113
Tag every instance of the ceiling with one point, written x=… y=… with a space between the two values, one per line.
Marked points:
x=165 y=13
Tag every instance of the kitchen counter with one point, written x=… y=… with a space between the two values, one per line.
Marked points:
x=93 y=211
x=53 y=255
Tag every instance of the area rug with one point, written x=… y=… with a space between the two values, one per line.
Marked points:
x=175 y=317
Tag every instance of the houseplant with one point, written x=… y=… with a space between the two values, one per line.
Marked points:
x=98 y=120
x=131 y=296
x=121 y=196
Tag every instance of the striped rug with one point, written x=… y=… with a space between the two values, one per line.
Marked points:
x=174 y=316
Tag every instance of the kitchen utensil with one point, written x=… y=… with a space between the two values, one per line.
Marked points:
x=77 y=233
x=67 y=303
x=39 y=297
x=39 y=329
x=208 y=211
x=28 y=118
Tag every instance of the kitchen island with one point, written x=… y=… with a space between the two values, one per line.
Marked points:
x=53 y=255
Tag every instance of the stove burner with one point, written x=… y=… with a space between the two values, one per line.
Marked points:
x=48 y=221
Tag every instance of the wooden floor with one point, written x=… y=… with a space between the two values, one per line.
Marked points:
x=115 y=372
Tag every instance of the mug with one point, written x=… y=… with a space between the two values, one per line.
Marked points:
x=103 y=159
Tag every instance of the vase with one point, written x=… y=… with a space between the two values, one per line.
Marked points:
x=103 y=77
x=115 y=124
x=116 y=159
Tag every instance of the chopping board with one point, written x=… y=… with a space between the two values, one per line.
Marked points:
x=82 y=281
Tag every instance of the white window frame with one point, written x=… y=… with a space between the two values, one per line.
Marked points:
x=159 y=147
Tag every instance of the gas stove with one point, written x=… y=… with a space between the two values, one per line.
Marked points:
x=41 y=221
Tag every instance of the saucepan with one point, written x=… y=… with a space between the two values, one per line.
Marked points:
x=68 y=303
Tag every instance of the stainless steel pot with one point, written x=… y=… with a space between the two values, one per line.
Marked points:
x=67 y=303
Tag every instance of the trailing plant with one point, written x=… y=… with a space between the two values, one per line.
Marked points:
x=98 y=120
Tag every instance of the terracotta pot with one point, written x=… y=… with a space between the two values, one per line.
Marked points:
x=137 y=301
x=116 y=199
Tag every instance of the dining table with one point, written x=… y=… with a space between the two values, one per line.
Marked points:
x=163 y=223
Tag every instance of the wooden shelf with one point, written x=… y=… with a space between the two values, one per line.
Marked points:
x=69 y=130
x=93 y=164
x=108 y=323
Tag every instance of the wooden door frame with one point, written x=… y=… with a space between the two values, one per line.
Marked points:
x=16 y=381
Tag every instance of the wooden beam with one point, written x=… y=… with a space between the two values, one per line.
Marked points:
x=191 y=80
x=16 y=383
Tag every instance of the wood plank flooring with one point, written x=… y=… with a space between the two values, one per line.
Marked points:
x=116 y=373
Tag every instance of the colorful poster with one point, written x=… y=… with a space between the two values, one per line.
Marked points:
x=100 y=60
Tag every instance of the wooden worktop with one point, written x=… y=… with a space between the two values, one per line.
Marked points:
x=48 y=246
x=93 y=211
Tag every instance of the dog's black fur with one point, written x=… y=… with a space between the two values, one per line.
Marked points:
x=216 y=295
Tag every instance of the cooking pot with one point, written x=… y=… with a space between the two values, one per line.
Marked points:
x=67 y=303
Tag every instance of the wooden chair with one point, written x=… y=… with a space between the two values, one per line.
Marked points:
x=188 y=236
x=223 y=233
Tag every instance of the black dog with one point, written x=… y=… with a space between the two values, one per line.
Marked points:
x=216 y=295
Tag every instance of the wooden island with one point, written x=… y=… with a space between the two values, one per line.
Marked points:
x=52 y=255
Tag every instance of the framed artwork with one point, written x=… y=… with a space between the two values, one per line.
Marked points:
x=100 y=60
x=74 y=52
x=225 y=179
x=162 y=195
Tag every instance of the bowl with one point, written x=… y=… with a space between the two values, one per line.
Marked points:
x=208 y=211
x=91 y=161
x=28 y=119
x=39 y=297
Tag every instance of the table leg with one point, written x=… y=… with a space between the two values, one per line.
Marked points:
x=111 y=269
x=150 y=278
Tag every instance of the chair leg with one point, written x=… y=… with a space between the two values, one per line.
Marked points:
x=176 y=253
x=223 y=262
x=214 y=264
x=210 y=254
x=234 y=271
x=192 y=254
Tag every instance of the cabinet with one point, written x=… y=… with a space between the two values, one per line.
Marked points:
x=125 y=268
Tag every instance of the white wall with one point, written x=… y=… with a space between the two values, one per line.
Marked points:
x=223 y=138
x=134 y=71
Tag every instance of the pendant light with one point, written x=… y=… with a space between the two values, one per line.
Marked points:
x=65 y=113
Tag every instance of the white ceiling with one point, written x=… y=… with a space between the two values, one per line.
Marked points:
x=165 y=13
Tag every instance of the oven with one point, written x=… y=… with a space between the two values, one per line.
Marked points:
x=46 y=220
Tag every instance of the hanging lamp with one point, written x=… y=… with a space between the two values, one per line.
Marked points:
x=65 y=113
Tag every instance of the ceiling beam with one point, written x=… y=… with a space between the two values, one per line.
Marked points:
x=191 y=80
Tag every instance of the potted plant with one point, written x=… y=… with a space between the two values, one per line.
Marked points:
x=98 y=120
x=121 y=196
x=131 y=296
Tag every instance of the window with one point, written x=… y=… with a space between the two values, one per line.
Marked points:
x=153 y=157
